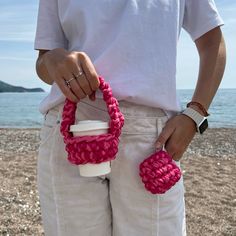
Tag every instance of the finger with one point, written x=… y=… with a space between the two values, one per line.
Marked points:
x=82 y=81
x=79 y=88
x=76 y=69
x=177 y=156
x=75 y=87
x=93 y=96
x=66 y=90
x=90 y=73
x=170 y=147
x=164 y=136
x=84 y=84
x=176 y=143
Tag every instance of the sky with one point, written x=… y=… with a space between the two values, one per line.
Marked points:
x=17 y=55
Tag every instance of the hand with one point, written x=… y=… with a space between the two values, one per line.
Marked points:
x=63 y=65
x=176 y=135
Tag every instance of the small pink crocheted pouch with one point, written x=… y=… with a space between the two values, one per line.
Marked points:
x=93 y=149
x=159 y=172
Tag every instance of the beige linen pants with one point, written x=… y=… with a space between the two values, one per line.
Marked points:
x=116 y=204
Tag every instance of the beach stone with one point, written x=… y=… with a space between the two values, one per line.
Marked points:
x=209 y=173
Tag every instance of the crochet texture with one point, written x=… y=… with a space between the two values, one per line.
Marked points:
x=159 y=173
x=94 y=148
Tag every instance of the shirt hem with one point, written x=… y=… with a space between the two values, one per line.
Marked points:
x=207 y=27
x=47 y=45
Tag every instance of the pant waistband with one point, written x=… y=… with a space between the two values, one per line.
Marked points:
x=127 y=108
x=138 y=118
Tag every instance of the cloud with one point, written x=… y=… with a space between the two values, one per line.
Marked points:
x=18 y=20
x=18 y=25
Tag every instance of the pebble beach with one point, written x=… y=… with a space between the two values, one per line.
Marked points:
x=208 y=167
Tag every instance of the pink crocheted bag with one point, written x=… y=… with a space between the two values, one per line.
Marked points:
x=159 y=172
x=93 y=149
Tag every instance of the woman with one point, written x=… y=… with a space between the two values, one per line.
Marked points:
x=133 y=45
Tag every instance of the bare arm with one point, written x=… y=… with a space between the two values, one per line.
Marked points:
x=212 y=53
x=180 y=129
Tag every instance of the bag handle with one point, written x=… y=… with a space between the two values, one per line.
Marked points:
x=116 y=117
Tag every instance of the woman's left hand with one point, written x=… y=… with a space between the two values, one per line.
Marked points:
x=177 y=135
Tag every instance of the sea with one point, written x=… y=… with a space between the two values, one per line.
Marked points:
x=20 y=110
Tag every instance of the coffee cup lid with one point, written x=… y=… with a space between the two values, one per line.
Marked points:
x=86 y=125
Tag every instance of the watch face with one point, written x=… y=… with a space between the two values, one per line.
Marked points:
x=203 y=126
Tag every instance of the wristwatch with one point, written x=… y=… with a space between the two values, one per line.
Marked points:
x=199 y=119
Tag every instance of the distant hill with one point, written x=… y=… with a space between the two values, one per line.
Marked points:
x=4 y=87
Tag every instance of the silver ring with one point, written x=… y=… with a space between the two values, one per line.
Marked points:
x=80 y=73
x=68 y=81
x=67 y=84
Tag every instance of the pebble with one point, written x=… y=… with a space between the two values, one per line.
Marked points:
x=20 y=201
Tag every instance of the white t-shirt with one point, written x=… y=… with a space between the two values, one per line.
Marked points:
x=132 y=43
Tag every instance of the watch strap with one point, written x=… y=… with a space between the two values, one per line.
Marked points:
x=200 y=106
x=194 y=115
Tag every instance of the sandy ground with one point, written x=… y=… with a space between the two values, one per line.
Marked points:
x=209 y=168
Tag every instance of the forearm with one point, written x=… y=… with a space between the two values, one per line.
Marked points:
x=41 y=69
x=212 y=54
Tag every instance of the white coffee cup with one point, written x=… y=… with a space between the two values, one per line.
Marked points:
x=92 y=127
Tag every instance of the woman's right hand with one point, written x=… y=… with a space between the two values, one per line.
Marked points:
x=63 y=65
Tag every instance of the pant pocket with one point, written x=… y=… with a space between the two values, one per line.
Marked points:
x=50 y=123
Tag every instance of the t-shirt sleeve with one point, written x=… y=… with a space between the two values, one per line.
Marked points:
x=49 y=33
x=200 y=16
